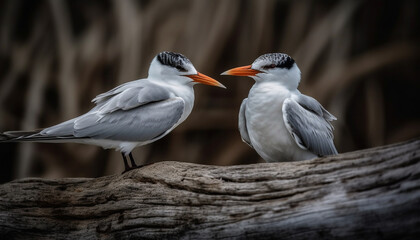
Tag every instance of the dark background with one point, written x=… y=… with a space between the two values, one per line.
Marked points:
x=360 y=59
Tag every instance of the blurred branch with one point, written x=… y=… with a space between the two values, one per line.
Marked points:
x=216 y=25
x=407 y=129
x=130 y=39
x=66 y=52
x=347 y=73
x=327 y=28
x=360 y=195
x=20 y=58
x=375 y=111
x=33 y=108
x=231 y=153
x=18 y=64
x=215 y=119
x=8 y=19
x=298 y=14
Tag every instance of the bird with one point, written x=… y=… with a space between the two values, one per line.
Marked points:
x=133 y=114
x=276 y=119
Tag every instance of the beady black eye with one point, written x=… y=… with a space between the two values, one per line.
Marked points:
x=181 y=69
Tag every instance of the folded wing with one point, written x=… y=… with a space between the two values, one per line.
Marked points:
x=309 y=124
x=243 y=130
x=136 y=111
x=142 y=123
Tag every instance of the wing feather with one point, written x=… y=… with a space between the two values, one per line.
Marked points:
x=309 y=124
x=135 y=111
x=128 y=97
x=139 y=124
x=242 y=124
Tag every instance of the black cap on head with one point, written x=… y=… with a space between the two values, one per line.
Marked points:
x=175 y=60
x=275 y=60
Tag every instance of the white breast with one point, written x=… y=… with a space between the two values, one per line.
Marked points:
x=267 y=131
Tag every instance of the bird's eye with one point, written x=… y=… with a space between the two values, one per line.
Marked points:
x=181 y=69
x=269 y=66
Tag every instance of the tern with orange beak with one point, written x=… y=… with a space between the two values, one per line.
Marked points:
x=133 y=114
x=279 y=122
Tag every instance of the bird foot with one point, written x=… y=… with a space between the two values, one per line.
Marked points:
x=133 y=163
x=132 y=168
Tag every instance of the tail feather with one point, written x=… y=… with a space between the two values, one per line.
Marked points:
x=30 y=136
x=11 y=136
x=56 y=133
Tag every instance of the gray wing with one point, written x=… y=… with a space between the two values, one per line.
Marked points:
x=138 y=124
x=135 y=111
x=242 y=124
x=310 y=104
x=309 y=124
x=130 y=95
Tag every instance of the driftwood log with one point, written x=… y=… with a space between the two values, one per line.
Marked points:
x=369 y=194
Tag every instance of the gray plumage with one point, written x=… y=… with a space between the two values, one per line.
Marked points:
x=309 y=124
x=138 y=124
x=310 y=104
x=125 y=113
x=130 y=95
x=133 y=114
x=242 y=124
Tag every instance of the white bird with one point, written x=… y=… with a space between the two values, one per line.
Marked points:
x=279 y=122
x=133 y=114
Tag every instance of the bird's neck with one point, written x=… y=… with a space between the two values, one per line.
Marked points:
x=186 y=92
x=276 y=86
x=287 y=82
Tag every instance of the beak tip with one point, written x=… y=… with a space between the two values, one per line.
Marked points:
x=225 y=73
x=222 y=86
x=201 y=78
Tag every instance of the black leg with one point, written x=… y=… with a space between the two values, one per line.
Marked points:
x=125 y=163
x=133 y=163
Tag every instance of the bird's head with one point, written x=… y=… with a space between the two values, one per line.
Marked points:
x=271 y=67
x=178 y=69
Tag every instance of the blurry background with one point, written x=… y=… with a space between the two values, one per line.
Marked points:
x=360 y=59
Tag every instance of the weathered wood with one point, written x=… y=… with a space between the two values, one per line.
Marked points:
x=368 y=194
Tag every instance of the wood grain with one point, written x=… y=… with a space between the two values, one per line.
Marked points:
x=369 y=194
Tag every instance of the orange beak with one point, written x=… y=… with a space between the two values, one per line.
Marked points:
x=242 y=71
x=201 y=78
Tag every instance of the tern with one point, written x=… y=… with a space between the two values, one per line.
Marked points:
x=279 y=122
x=133 y=114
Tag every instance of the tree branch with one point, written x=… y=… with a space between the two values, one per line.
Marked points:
x=369 y=194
